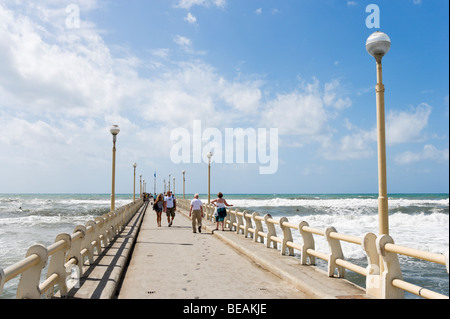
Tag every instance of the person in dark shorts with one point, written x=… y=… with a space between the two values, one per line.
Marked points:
x=170 y=207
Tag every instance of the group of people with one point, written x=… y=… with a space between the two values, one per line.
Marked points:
x=196 y=212
x=168 y=204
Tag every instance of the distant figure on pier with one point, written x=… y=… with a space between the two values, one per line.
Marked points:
x=170 y=207
x=158 y=207
x=221 y=205
x=197 y=214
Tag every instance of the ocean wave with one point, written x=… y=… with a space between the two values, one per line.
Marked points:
x=344 y=202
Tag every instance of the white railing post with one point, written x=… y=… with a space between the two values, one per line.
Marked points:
x=29 y=281
x=258 y=228
x=248 y=224
x=373 y=265
x=75 y=249
x=97 y=241
x=287 y=237
x=233 y=221
x=391 y=270
x=240 y=222
x=57 y=261
x=227 y=218
x=109 y=227
x=335 y=253
x=103 y=237
x=270 y=232
x=209 y=213
x=308 y=243
x=90 y=238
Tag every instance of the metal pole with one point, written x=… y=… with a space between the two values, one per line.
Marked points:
x=381 y=135
x=113 y=196
x=209 y=181
x=134 y=184
x=184 y=182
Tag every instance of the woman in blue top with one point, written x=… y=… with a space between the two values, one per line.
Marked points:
x=220 y=203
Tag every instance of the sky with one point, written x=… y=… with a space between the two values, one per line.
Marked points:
x=281 y=92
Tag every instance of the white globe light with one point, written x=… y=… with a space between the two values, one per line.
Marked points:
x=378 y=43
x=115 y=129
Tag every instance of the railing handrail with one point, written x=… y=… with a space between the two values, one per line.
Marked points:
x=70 y=250
x=375 y=247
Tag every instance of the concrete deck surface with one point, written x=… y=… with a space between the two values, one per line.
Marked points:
x=173 y=262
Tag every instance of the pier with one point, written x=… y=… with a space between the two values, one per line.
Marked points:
x=124 y=255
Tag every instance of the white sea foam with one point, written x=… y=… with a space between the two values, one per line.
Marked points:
x=337 y=203
x=356 y=216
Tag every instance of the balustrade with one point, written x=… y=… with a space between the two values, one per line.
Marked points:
x=387 y=285
x=66 y=257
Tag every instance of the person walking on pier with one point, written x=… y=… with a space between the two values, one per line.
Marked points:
x=158 y=207
x=197 y=214
x=221 y=205
x=170 y=206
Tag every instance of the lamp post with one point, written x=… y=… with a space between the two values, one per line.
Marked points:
x=378 y=44
x=168 y=184
x=140 y=185
x=209 y=155
x=173 y=186
x=134 y=182
x=184 y=182
x=115 y=130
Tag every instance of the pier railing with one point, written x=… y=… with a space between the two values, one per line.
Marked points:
x=385 y=284
x=68 y=258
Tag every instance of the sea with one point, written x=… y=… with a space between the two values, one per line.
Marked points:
x=419 y=221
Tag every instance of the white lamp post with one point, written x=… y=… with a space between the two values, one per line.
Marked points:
x=134 y=182
x=184 y=182
x=115 y=130
x=140 y=185
x=209 y=155
x=378 y=44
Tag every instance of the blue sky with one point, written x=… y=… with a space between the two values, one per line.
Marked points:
x=160 y=66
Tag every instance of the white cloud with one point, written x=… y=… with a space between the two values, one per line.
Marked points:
x=187 y=45
x=187 y=4
x=401 y=127
x=296 y=113
x=357 y=145
x=183 y=41
x=404 y=127
x=306 y=111
x=74 y=74
x=429 y=152
x=190 y=19
x=259 y=11
x=62 y=89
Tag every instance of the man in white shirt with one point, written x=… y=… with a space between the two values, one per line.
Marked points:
x=197 y=214
x=170 y=206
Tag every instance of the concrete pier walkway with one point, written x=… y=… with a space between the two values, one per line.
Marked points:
x=173 y=262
